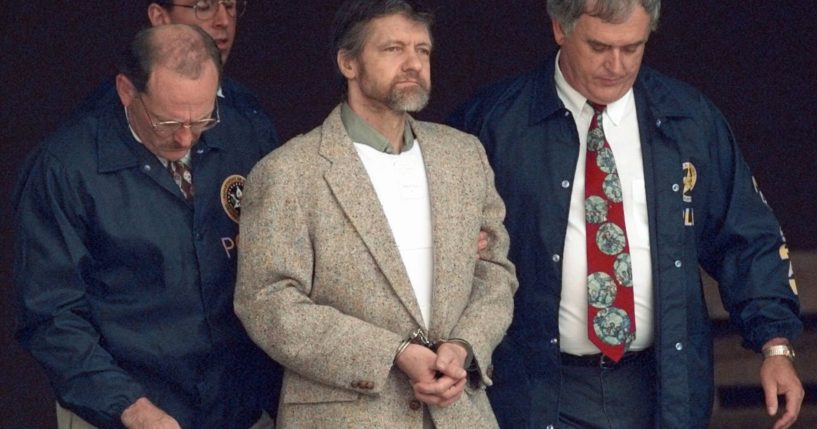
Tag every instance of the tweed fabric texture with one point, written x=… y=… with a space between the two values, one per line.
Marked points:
x=322 y=289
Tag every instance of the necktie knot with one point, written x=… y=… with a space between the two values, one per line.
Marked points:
x=597 y=108
x=183 y=177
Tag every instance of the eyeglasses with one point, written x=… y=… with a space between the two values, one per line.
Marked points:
x=206 y=9
x=166 y=128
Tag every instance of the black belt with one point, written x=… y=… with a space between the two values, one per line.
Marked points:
x=601 y=361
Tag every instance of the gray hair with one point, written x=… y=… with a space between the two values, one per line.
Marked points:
x=567 y=12
x=184 y=49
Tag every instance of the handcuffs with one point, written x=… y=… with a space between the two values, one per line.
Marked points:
x=419 y=337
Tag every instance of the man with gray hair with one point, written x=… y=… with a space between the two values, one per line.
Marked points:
x=620 y=183
x=124 y=267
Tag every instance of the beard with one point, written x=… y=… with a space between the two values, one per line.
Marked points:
x=410 y=99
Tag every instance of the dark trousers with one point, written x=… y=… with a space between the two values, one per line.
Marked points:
x=619 y=396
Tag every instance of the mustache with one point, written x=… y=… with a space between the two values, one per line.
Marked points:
x=409 y=75
x=172 y=145
x=412 y=76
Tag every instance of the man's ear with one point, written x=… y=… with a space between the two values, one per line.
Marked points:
x=125 y=89
x=158 y=15
x=347 y=65
x=559 y=33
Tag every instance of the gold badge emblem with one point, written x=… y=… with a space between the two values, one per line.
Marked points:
x=690 y=178
x=784 y=256
x=231 y=191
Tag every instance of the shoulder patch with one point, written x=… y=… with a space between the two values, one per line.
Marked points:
x=231 y=191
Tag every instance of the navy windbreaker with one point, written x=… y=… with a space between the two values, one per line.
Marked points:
x=704 y=211
x=125 y=289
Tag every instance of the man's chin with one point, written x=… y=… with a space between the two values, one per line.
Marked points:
x=414 y=100
x=224 y=49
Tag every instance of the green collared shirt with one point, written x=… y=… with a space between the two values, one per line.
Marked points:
x=360 y=132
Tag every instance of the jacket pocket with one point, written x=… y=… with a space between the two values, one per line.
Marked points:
x=300 y=390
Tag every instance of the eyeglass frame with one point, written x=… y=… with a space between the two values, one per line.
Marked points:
x=207 y=124
x=235 y=7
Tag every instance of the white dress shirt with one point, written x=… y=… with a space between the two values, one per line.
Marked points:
x=402 y=188
x=620 y=124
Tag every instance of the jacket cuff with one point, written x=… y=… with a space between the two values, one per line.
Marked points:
x=755 y=339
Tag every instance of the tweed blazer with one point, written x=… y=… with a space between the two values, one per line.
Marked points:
x=323 y=290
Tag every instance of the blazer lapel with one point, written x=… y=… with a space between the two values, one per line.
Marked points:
x=445 y=194
x=351 y=185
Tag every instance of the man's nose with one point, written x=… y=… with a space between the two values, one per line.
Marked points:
x=184 y=136
x=222 y=17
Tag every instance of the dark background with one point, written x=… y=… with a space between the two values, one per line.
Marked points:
x=756 y=59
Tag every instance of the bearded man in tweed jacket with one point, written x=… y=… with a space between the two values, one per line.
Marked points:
x=358 y=268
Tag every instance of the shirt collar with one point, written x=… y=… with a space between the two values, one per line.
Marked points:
x=360 y=132
x=577 y=102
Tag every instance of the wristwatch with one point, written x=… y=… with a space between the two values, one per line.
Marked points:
x=779 y=350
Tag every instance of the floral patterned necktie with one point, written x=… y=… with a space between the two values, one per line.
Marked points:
x=183 y=177
x=610 y=309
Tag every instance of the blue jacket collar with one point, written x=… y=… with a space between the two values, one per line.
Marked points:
x=661 y=100
x=545 y=100
x=116 y=146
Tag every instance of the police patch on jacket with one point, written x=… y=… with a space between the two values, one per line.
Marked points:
x=690 y=179
x=784 y=255
x=231 y=191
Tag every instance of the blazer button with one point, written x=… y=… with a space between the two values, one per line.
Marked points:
x=415 y=405
x=356 y=384
x=489 y=371
x=369 y=385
